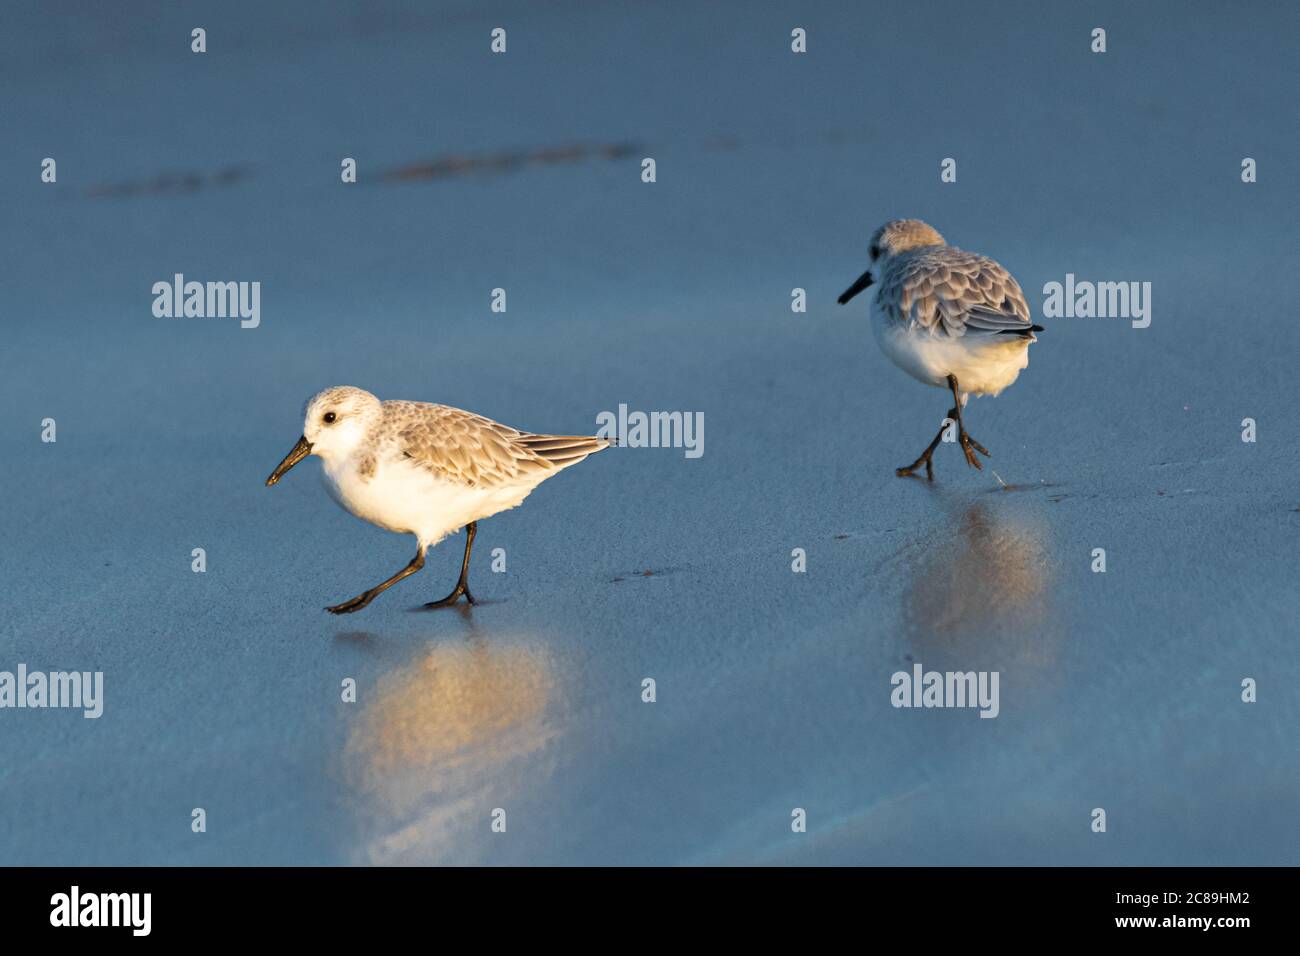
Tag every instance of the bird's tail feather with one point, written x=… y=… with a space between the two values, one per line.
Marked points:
x=563 y=450
x=1026 y=332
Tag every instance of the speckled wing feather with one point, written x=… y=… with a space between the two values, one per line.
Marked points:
x=467 y=449
x=951 y=292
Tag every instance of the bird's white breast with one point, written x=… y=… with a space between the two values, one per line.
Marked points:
x=399 y=495
x=983 y=365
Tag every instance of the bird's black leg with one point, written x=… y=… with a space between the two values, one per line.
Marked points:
x=462 y=586
x=926 y=455
x=968 y=444
x=361 y=600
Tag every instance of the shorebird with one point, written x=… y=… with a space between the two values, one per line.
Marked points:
x=946 y=317
x=425 y=470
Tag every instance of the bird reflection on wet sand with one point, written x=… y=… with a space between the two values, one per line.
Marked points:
x=979 y=597
x=442 y=741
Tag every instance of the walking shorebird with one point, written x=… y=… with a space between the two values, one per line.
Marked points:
x=425 y=470
x=946 y=317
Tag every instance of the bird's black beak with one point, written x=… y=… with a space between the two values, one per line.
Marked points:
x=864 y=280
x=299 y=452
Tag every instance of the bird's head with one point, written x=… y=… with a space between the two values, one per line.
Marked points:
x=335 y=422
x=893 y=238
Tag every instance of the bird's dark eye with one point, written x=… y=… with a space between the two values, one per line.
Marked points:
x=330 y=418
x=875 y=253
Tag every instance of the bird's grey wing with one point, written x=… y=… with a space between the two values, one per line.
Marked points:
x=456 y=446
x=467 y=449
x=955 y=293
